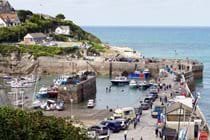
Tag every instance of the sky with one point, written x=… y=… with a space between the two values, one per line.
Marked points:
x=124 y=12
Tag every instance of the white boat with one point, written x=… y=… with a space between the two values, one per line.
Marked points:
x=19 y=84
x=133 y=84
x=63 y=80
x=36 y=104
x=43 y=93
x=143 y=84
x=90 y=103
x=28 y=79
x=120 y=80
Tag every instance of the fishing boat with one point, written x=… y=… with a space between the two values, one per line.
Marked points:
x=90 y=103
x=42 y=93
x=28 y=79
x=62 y=80
x=120 y=80
x=36 y=104
x=52 y=92
x=20 y=84
x=143 y=85
x=133 y=84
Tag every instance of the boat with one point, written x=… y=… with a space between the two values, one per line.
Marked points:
x=146 y=73
x=143 y=85
x=90 y=103
x=42 y=93
x=36 y=104
x=28 y=79
x=20 y=84
x=62 y=80
x=120 y=80
x=133 y=84
x=60 y=105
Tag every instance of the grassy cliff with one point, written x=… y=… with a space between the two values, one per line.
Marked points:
x=35 y=23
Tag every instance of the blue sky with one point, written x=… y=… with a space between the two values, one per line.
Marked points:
x=124 y=12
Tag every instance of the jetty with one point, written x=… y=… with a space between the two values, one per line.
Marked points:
x=181 y=115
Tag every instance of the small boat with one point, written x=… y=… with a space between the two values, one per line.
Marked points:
x=28 y=79
x=52 y=92
x=19 y=84
x=63 y=80
x=60 y=105
x=43 y=93
x=120 y=80
x=90 y=103
x=36 y=104
x=143 y=85
x=6 y=77
x=133 y=84
x=48 y=105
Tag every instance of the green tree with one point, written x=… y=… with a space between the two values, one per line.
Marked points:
x=60 y=17
x=24 y=14
x=16 y=124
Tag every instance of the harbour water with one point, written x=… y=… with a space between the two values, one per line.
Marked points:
x=170 y=42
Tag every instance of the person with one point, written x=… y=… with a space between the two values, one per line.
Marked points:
x=110 y=89
x=106 y=89
x=156 y=131
x=125 y=135
x=141 y=138
x=135 y=123
x=138 y=117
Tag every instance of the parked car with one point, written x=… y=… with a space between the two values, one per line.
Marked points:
x=154 y=97
x=113 y=125
x=124 y=123
x=145 y=106
x=154 y=94
x=156 y=110
x=100 y=130
x=148 y=100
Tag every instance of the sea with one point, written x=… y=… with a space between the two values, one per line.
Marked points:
x=165 y=42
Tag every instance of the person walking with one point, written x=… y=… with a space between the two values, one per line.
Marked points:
x=135 y=123
x=125 y=135
x=156 y=132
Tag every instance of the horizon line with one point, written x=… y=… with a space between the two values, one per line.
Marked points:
x=149 y=26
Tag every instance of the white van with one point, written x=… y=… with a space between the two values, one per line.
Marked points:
x=126 y=113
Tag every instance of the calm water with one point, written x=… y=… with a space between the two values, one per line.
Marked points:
x=162 y=42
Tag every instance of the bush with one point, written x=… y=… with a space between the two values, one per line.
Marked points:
x=16 y=124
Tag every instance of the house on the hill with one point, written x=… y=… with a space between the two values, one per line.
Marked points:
x=62 y=30
x=34 y=38
x=8 y=16
x=5 y=7
x=10 y=19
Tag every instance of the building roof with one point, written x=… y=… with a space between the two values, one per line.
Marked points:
x=5 y=7
x=177 y=106
x=36 y=35
x=9 y=17
x=64 y=27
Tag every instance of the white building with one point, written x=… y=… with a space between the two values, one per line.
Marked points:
x=34 y=38
x=62 y=30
